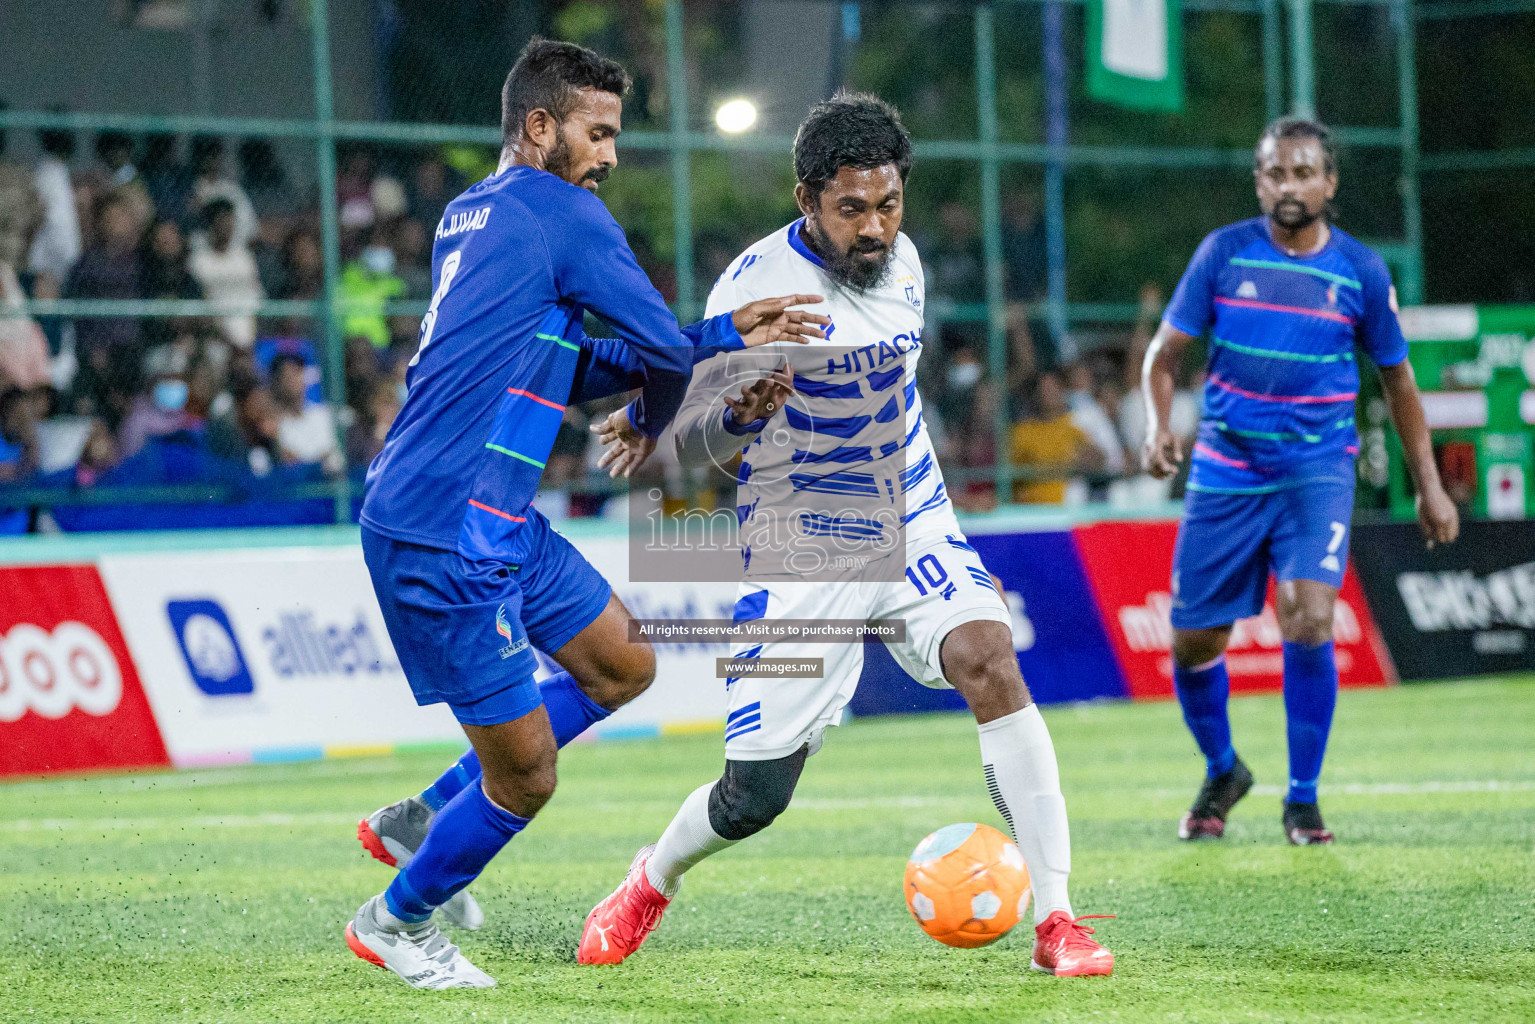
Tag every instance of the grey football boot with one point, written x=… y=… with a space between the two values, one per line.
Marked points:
x=393 y=834
x=420 y=954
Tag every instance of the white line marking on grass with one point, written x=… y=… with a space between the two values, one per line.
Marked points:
x=1410 y=788
x=813 y=804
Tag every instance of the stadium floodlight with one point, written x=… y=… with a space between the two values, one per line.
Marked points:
x=736 y=116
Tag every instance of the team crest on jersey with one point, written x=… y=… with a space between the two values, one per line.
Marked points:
x=1248 y=290
x=909 y=283
x=1332 y=294
x=504 y=627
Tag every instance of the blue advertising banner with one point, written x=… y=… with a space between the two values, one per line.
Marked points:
x=1058 y=633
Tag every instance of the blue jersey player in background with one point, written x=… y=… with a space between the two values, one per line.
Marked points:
x=1286 y=300
x=469 y=576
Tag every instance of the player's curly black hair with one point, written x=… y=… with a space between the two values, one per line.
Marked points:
x=852 y=129
x=1292 y=127
x=547 y=75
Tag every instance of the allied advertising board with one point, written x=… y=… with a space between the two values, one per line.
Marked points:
x=1460 y=609
x=70 y=698
x=265 y=654
x=1130 y=567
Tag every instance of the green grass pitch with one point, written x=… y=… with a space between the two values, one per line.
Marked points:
x=220 y=895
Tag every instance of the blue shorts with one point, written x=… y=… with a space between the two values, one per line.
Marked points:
x=1228 y=543
x=465 y=631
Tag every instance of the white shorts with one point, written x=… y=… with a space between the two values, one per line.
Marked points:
x=945 y=585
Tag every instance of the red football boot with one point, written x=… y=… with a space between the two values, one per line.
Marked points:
x=619 y=924
x=1062 y=947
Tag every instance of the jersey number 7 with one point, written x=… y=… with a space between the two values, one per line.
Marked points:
x=429 y=322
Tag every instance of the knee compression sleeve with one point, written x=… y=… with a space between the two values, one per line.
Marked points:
x=751 y=794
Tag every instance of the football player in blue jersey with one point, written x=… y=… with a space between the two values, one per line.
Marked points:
x=469 y=576
x=1286 y=300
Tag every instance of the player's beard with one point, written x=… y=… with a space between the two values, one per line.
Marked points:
x=846 y=267
x=559 y=160
x=1292 y=215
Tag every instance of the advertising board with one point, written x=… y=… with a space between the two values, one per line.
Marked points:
x=1130 y=564
x=1461 y=609
x=70 y=697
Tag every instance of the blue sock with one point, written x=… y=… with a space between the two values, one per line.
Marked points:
x=464 y=771
x=1310 y=694
x=571 y=712
x=1203 y=691
x=463 y=838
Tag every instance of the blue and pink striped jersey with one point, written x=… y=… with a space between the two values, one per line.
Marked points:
x=518 y=260
x=1279 y=395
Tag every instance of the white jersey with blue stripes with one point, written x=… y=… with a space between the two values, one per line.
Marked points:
x=849 y=456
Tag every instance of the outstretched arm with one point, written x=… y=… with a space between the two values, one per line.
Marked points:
x=1163 y=452
x=608 y=366
x=1437 y=514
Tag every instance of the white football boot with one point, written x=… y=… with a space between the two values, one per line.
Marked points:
x=393 y=834
x=420 y=954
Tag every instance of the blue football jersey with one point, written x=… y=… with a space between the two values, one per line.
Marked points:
x=1282 y=380
x=517 y=261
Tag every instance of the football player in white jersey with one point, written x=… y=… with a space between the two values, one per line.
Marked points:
x=835 y=448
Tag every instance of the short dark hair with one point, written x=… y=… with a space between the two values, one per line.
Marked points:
x=213 y=209
x=1293 y=127
x=57 y=142
x=283 y=359
x=852 y=129
x=106 y=142
x=547 y=75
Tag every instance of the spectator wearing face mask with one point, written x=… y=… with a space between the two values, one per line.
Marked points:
x=160 y=413
x=306 y=430
x=1092 y=419
x=960 y=378
x=118 y=176
x=367 y=283
x=223 y=266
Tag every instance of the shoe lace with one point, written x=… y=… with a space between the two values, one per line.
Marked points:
x=434 y=944
x=1080 y=930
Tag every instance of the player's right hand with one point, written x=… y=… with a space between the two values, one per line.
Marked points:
x=627 y=448
x=1163 y=453
x=762 y=399
x=768 y=320
x=1437 y=516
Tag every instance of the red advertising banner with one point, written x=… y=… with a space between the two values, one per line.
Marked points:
x=69 y=696
x=1129 y=566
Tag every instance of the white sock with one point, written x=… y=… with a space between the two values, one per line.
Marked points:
x=687 y=840
x=1025 y=784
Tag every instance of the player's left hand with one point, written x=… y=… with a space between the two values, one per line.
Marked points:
x=627 y=448
x=768 y=320
x=1437 y=516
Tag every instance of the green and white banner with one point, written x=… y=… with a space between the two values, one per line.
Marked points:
x=1135 y=53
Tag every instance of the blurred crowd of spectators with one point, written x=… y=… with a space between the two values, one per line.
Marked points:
x=233 y=403
x=1074 y=418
